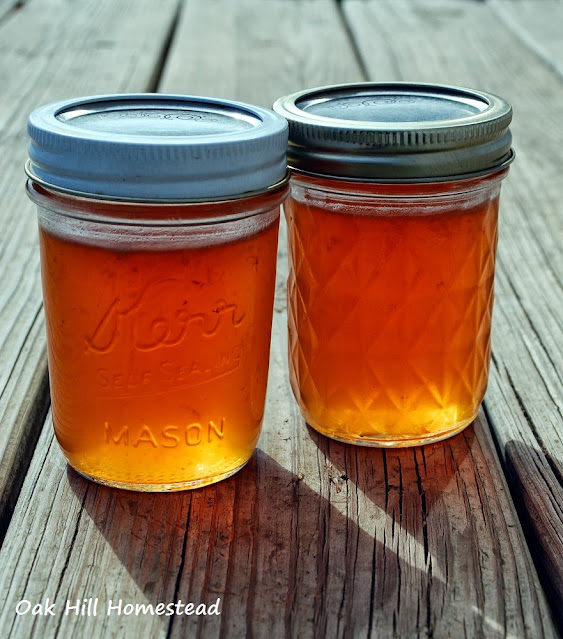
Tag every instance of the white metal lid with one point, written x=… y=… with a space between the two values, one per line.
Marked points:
x=156 y=147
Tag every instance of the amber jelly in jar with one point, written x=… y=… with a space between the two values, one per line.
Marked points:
x=158 y=223
x=392 y=222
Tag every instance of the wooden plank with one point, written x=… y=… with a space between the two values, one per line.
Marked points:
x=263 y=50
x=45 y=58
x=29 y=372
x=338 y=543
x=537 y=24
x=465 y=43
x=9 y=6
x=313 y=538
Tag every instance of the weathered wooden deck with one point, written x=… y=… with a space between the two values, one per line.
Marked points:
x=313 y=538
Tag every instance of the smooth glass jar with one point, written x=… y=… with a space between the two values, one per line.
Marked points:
x=158 y=319
x=390 y=291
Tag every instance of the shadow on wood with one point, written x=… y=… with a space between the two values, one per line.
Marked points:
x=539 y=499
x=286 y=560
x=330 y=540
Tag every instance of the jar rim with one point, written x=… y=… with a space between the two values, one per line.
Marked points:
x=417 y=180
x=156 y=213
x=132 y=200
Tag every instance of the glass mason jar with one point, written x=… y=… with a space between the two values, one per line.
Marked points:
x=392 y=223
x=158 y=221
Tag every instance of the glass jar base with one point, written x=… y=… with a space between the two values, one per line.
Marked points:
x=394 y=441
x=161 y=487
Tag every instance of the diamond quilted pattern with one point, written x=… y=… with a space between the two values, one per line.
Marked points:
x=390 y=316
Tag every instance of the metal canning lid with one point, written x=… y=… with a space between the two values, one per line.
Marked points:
x=397 y=131
x=156 y=147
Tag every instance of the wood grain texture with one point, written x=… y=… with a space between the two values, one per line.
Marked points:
x=9 y=6
x=43 y=58
x=538 y=24
x=314 y=538
x=258 y=51
x=26 y=418
x=322 y=540
x=465 y=43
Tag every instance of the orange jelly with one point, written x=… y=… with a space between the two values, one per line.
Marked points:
x=159 y=359
x=390 y=309
x=158 y=226
x=392 y=226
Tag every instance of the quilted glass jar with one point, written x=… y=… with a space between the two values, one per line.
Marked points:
x=392 y=223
